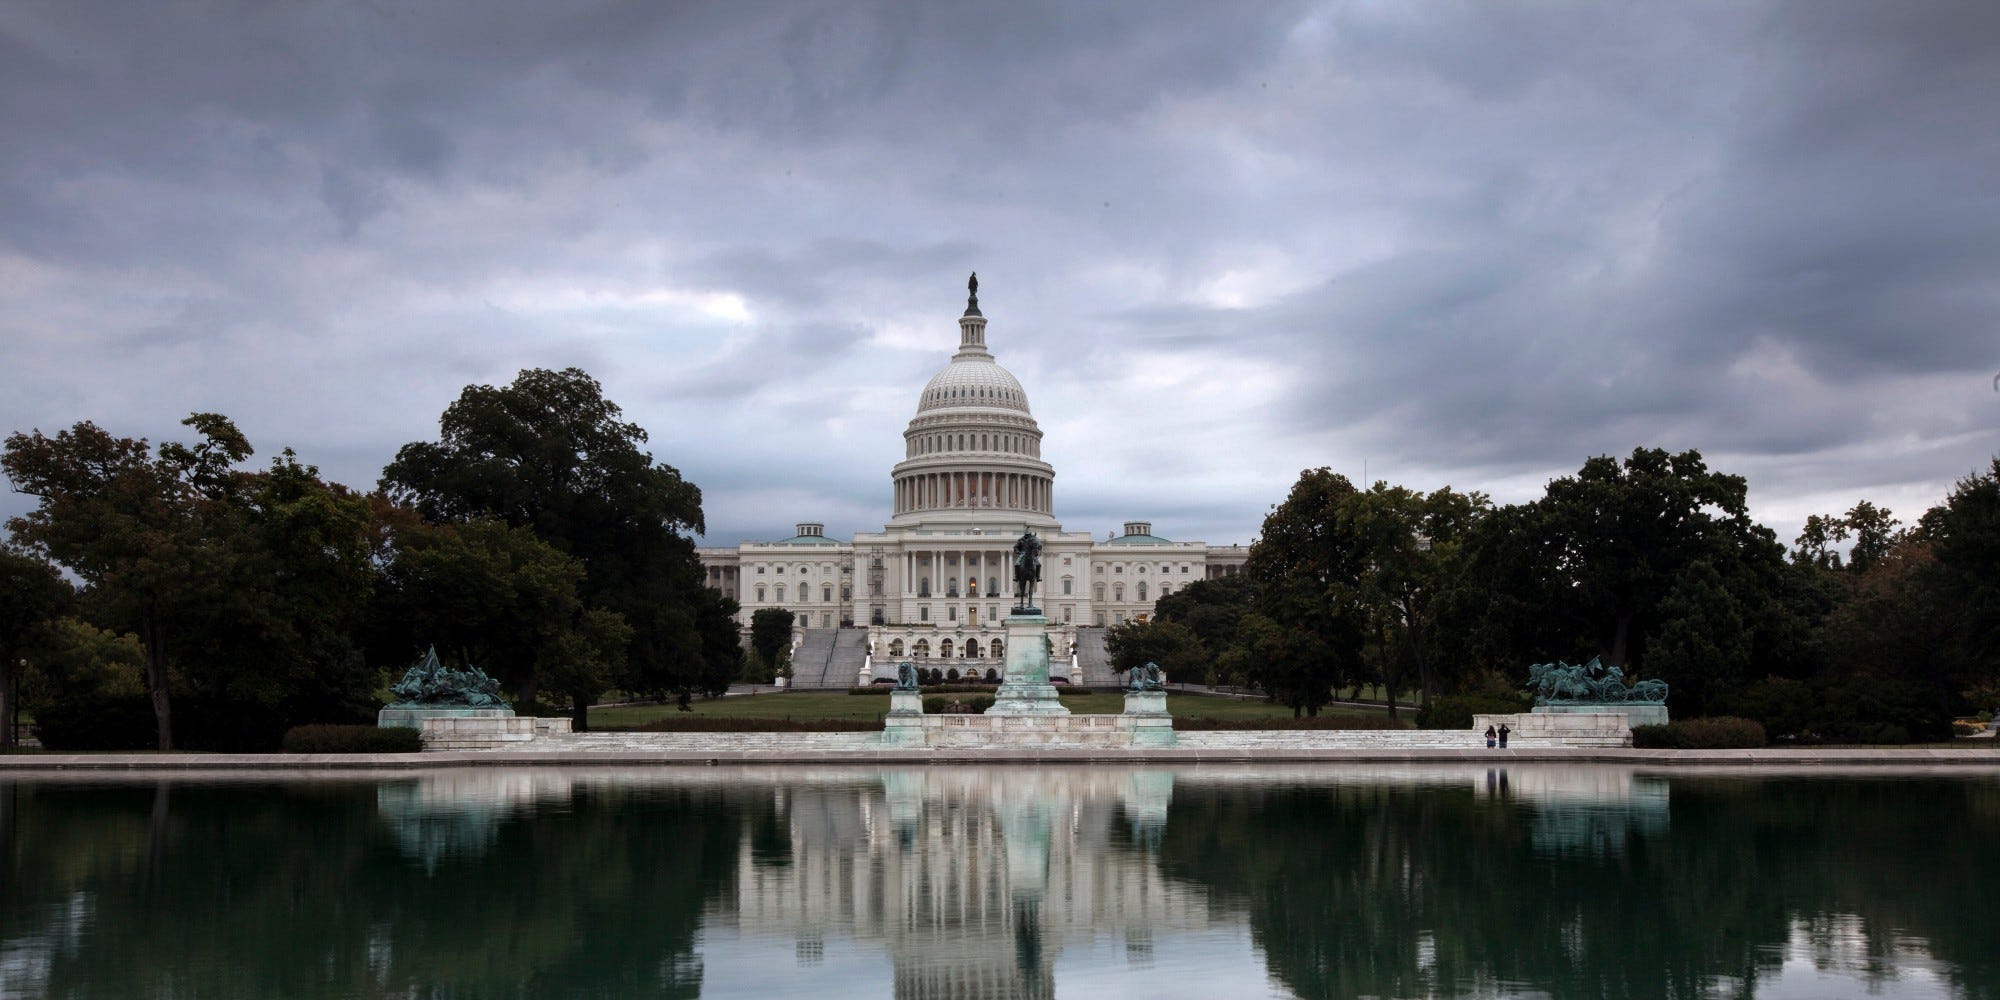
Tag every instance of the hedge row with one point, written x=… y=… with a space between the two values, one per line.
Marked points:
x=126 y=722
x=351 y=739
x=1365 y=722
x=1456 y=711
x=978 y=704
x=1718 y=733
x=1842 y=710
x=884 y=689
x=709 y=724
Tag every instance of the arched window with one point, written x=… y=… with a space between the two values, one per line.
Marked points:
x=922 y=650
x=972 y=649
x=944 y=648
x=895 y=647
x=997 y=649
x=924 y=587
x=992 y=585
x=951 y=587
x=1142 y=590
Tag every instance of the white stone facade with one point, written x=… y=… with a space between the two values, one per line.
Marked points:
x=936 y=582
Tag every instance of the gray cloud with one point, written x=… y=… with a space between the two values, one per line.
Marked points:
x=1459 y=243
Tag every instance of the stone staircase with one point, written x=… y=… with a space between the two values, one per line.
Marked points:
x=850 y=648
x=809 y=658
x=1093 y=659
x=829 y=657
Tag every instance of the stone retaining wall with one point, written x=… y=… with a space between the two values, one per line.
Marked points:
x=990 y=732
x=1567 y=729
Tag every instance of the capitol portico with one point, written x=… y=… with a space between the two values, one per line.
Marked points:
x=935 y=582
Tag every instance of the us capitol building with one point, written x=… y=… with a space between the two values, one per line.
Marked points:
x=936 y=581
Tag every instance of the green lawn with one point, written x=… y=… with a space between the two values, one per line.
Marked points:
x=841 y=705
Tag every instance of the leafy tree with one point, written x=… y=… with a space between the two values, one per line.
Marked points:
x=1307 y=565
x=77 y=662
x=771 y=636
x=1629 y=531
x=1212 y=609
x=131 y=526
x=1288 y=662
x=1874 y=532
x=33 y=595
x=485 y=594
x=1170 y=644
x=583 y=661
x=549 y=453
x=1817 y=543
x=290 y=648
x=1409 y=543
x=1704 y=648
x=1964 y=535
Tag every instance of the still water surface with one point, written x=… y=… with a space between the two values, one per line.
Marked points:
x=1332 y=881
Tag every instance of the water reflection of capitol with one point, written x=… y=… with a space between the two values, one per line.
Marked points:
x=975 y=879
x=973 y=884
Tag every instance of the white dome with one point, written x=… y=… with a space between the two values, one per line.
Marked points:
x=973 y=382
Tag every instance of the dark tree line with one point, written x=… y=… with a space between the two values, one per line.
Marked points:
x=535 y=539
x=1652 y=563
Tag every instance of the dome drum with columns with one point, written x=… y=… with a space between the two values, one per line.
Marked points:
x=934 y=584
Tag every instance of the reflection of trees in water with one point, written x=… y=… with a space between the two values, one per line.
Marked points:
x=300 y=890
x=1565 y=882
x=1395 y=890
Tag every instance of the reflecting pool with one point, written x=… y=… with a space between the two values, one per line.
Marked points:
x=950 y=881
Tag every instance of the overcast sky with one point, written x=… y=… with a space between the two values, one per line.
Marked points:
x=1467 y=244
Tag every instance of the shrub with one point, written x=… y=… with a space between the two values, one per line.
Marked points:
x=1842 y=710
x=951 y=675
x=1349 y=722
x=1717 y=733
x=971 y=705
x=351 y=739
x=992 y=676
x=884 y=689
x=710 y=724
x=112 y=722
x=1456 y=711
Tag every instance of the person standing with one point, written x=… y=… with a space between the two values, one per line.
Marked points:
x=1490 y=736
x=1503 y=735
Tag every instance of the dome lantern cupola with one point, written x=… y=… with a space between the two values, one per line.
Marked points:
x=972 y=325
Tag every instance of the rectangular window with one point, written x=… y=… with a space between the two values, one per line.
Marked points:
x=952 y=612
x=1066 y=585
x=923 y=614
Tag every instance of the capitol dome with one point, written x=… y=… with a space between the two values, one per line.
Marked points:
x=973 y=381
x=973 y=449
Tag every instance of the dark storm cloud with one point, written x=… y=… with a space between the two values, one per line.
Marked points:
x=1467 y=243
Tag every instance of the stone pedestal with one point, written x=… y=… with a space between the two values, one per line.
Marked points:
x=1147 y=719
x=1635 y=714
x=413 y=716
x=1027 y=690
x=904 y=725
